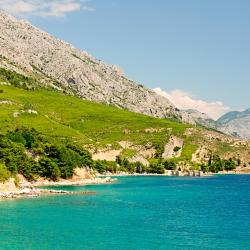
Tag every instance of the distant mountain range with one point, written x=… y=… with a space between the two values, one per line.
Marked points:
x=235 y=123
x=230 y=116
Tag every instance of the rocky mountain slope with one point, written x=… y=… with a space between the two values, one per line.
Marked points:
x=54 y=63
x=228 y=117
x=202 y=118
x=236 y=123
x=30 y=51
x=233 y=123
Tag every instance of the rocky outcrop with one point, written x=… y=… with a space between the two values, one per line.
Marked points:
x=139 y=158
x=6 y=102
x=8 y=186
x=125 y=144
x=82 y=173
x=201 y=155
x=202 y=118
x=108 y=155
x=173 y=148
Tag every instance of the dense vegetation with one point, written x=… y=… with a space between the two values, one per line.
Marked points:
x=46 y=133
x=60 y=115
x=216 y=164
x=123 y=165
x=26 y=152
x=158 y=166
x=33 y=155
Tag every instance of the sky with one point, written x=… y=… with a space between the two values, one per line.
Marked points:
x=195 y=52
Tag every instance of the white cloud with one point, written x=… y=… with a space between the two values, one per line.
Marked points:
x=183 y=100
x=57 y=8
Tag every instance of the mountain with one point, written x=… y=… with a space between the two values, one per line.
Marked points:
x=57 y=64
x=53 y=63
x=202 y=118
x=236 y=123
x=41 y=80
x=226 y=118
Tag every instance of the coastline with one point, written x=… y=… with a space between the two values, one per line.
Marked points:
x=83 y=182
x=33 y=193
x=179 y=174
x=32 y=190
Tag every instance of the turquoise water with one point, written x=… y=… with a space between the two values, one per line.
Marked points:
x=135 y=213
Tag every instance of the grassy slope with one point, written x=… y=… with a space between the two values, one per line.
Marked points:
x=60 y=115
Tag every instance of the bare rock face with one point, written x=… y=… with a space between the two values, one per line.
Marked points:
x=8 y=186
x=28 y=50
x=202 y=118
x=82 y=174
x=139 y=158
x=108 y=155
x=201 y=155
x=173 y=148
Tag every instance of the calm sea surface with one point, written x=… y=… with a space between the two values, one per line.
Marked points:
x=136 y=213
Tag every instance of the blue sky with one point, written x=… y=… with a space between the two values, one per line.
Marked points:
x=200 y=47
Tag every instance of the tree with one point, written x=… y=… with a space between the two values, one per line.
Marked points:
x=204 y=168
x=20 y=149
x=176 y=149
x=229 y=165
x=56 y=173
x=4 y=173
x=86 y=158
x=28 y=169
x=12 y=154
x=156 y=168
x=169 y=165
x=139 y=168
x=47 y=168
x=28 y=137
x=100 y=166
x=118 y=160
x=159 y=150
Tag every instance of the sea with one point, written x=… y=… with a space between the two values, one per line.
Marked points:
x=136 y=212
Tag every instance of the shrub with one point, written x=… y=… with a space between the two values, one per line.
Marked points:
x=176 y=149
x=156 y=168
x=169 y=165
x=4 y=173
x=16 y=79
x=20 y=149
x=100 y=166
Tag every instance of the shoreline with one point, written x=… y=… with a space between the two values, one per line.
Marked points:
x=151 y=174
x=182 y=174
x=32 y=190
x=93 y=181
x=34 y=193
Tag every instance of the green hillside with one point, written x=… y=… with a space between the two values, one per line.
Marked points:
x=50 y=116
x=59 y=115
